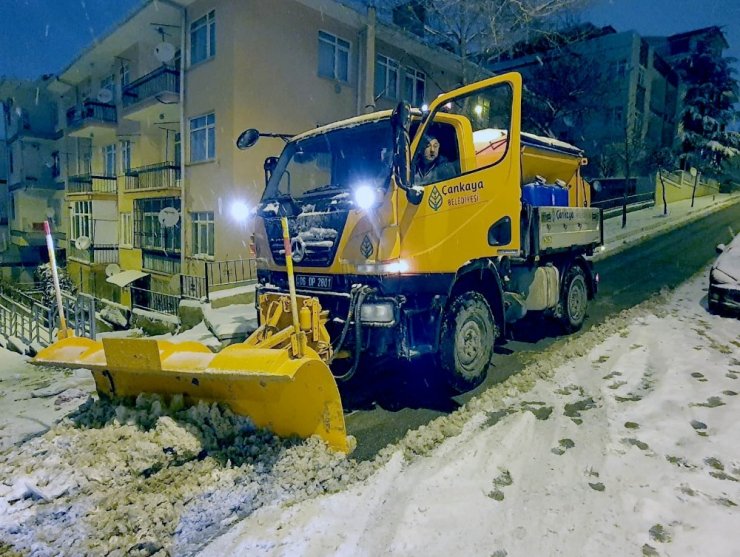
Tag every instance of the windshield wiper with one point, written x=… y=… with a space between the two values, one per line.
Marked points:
x=323 y=188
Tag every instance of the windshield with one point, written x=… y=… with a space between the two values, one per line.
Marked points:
x=332 y=162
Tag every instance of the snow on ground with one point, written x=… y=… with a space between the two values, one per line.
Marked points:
x=627 y=447
x=621 y=441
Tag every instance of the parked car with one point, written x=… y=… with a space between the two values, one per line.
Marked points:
x=724 y=278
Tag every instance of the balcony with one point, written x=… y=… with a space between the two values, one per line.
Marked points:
x=90 y=184
x=92 y=118
x=164 y=175
x=153 y=95
x=168 y=265
x=97 y=254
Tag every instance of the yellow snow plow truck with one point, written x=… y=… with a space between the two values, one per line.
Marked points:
x=400 y=234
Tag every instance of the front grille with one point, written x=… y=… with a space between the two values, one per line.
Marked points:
x=317 y=231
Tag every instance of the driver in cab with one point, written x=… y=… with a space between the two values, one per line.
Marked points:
x=432 y=166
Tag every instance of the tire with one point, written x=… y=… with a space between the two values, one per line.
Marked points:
x=573 y=300
x=467 y=340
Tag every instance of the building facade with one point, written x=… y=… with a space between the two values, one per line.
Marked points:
x=157 y=194
x=32 y=191
x=637 y=95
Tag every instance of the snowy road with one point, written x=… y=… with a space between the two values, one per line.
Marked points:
x=407 y=397
x=622 y=441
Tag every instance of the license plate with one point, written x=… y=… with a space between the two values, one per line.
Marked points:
x=315 y=282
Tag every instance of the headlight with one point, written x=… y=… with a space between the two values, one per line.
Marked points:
x=366 y=196
x=721 y=277
x=393 y=267
x=381 y=312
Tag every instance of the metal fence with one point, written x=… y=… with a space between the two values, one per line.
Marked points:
x=91 y=110
x=193 y=288
x=35 y=323
x=90 y=183
x=154 y=301
x=162 y=80
x=160 y=263
x=99 y=253
x=153 y=176
x=221 y=273
x=631 y=200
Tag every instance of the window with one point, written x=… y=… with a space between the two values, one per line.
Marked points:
x=617 y=68
x=203 y=38
x=178 y=149
x=127 y=229
x=80 y=220
x=124 y=74
x=387 y=72
x=125 y=156
x=203 y=232
x=109 y=160
x=616 y=115
x=149 y=232
x=203 y=138
x=414 y=87
x=11 y=164
x=333 y=57
x=110 y=84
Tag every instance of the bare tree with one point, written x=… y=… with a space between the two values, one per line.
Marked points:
x=481 y=30
x=662 y=158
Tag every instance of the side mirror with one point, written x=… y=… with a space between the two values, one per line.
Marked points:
x=414 y=195
x=247 y=139
x=269 y=166
x=720 y=248
x=400 y=120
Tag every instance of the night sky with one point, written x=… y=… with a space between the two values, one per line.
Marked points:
x=44 y=36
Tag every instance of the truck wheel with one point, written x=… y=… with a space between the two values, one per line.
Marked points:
x=466 y=341
x=573 y=299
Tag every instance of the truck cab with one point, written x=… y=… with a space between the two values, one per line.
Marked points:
x=410 y=262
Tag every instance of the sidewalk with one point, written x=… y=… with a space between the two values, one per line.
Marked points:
x=235 y=322
x=646 y=223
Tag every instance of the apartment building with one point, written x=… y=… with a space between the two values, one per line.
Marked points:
x=157 y=193
x=639 y=92
x=32 y=192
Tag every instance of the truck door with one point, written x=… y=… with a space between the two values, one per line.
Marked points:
x=471 y=189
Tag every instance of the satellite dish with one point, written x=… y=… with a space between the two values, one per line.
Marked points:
x=82 y=243
x=105 y=96
x=164 y=52
x=112 y=269
x=50 y=213
x=169 y=217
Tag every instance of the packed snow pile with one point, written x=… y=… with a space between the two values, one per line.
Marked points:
x=134 y=480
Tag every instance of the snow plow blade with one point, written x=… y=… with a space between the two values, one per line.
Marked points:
x=290 y=396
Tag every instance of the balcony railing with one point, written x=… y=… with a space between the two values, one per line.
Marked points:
x=91 y=111
x=162 y=80
x=153 y=176
x=98 y=253
x=160 y=263
x=90 y=183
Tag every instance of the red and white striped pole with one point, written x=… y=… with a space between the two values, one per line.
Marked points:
x=63 y=331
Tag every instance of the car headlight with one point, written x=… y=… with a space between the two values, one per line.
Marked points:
x=377 y=312
x=392 y=267
x=366 y=196
x=721 y=277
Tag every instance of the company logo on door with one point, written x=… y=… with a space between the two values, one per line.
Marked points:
x=448 y=193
